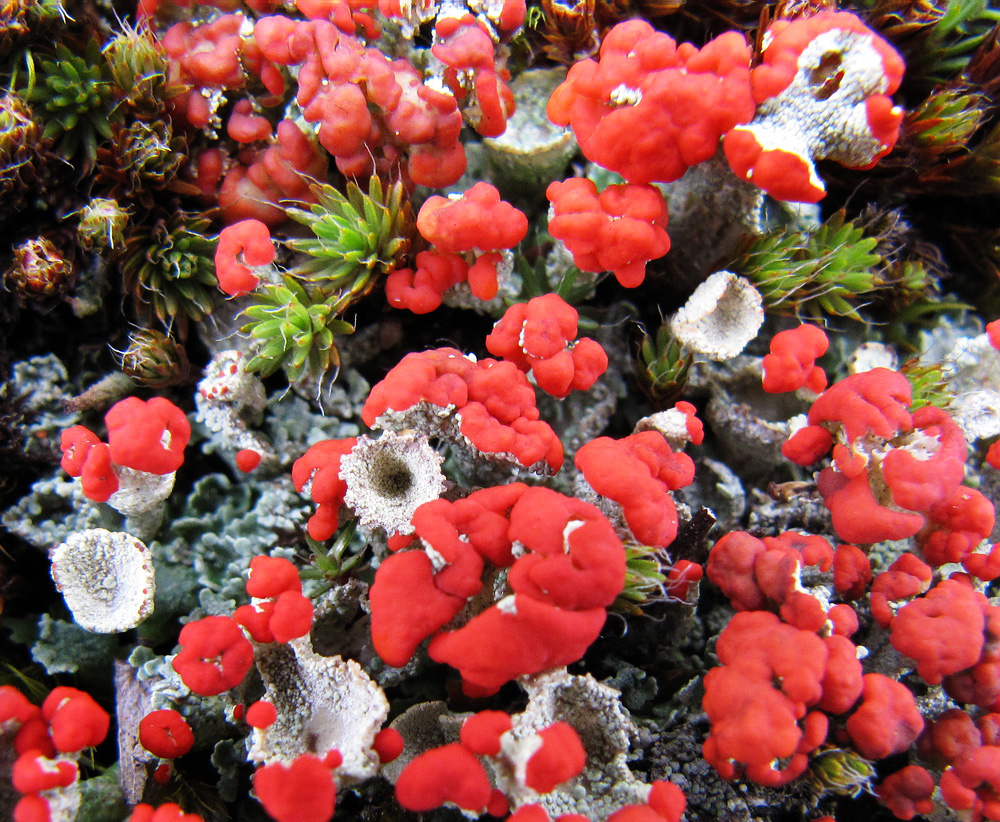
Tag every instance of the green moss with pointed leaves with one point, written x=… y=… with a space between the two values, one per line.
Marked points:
x=294 y=330
x=825 y=272
x=357 y=237
x=663 y=366
x=169 y=269
x=74 y=97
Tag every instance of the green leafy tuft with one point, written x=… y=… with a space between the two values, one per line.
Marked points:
x=170 y=267
x=663 y=366
x=357 y=237
x=294 y=330
x=826 y=272
x=73 y=95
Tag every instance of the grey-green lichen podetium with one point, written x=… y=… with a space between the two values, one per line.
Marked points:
x=532 y=151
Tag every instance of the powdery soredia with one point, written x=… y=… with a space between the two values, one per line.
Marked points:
x=389 y=478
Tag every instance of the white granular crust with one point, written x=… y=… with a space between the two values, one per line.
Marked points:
x=230 y=402
x=226 y=382
x=672 y=424
x=139 y=491
x=389 y=478
x=871 y=355
x=606 y=730
x=723 y=314
x=323 y=703
x=106 y=578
